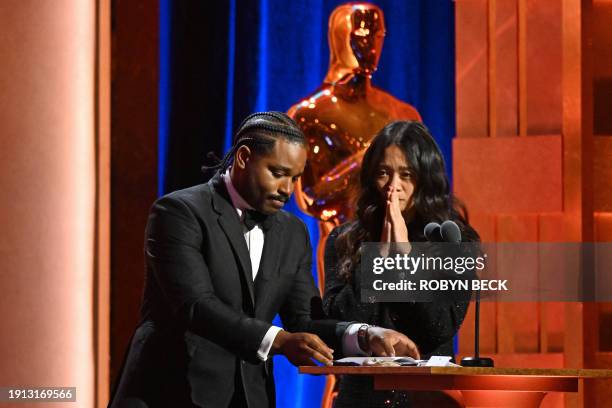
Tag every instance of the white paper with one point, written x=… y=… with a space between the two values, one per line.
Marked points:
x=438 y=361
x=365 y=361
x=434 y=361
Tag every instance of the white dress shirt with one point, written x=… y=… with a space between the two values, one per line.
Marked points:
x=255 y=242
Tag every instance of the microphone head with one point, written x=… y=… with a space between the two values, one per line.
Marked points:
x=450 y=232
x=432 y=232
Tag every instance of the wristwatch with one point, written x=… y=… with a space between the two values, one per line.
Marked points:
x=362 y=338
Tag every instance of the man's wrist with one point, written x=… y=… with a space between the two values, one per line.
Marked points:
x=278 y=342
x=267 y=344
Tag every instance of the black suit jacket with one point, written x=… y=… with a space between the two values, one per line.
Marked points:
x=202 y=317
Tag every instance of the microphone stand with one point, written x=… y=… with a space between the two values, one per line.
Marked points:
x=477 y=361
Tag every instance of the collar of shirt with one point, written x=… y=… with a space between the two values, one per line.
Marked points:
x=238 y=202
x=254 y=238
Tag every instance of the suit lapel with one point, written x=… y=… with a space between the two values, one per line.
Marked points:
x=231 y=226
x=270 y=258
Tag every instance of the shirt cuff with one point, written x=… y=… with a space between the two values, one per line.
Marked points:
x=350 y=342
x=266 y=343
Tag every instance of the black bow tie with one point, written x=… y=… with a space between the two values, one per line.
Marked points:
x=252 y=218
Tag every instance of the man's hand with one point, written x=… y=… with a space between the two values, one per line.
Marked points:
x=301 y=348
x=390 y=343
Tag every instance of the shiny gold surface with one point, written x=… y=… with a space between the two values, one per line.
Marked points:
x=342 y=116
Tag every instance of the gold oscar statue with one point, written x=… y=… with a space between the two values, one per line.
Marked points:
x=340 y=119
x=342 y=116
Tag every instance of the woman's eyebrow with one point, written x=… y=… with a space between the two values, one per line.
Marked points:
x=387 y=166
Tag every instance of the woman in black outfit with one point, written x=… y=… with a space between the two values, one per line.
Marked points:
x=403 y=186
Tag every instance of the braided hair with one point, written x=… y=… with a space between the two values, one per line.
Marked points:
x=259 y=131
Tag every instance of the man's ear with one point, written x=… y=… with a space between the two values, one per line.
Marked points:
x=243 y=155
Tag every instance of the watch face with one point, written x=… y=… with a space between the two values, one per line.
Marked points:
x=362 y=338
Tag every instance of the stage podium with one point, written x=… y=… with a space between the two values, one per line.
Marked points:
x=479 y=387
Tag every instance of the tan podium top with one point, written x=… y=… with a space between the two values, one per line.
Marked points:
x=478 y=386
x=539 y=372
x=468 y=378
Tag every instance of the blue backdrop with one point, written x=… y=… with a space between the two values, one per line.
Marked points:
x=220 y=62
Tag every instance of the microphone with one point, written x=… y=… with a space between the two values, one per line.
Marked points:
x=447 y=232
x=432 y=232
x=450 y=232
x=453 y=234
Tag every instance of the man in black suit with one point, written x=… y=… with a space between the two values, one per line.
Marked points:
x=222 y=260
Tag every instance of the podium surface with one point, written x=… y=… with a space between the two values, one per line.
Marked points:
x=479 y=386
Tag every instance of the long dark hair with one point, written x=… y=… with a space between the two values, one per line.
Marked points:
x=432 y=199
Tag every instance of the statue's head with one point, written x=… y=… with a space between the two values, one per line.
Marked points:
x=356 y=35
